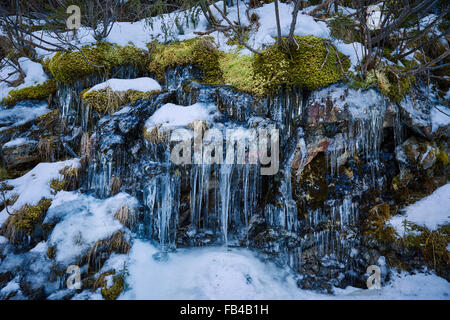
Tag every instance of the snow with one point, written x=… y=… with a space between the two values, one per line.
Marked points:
x=403 y=286
x=225 y=273
x=207 y=273
x=439 y=118
x=431 y=212
x=34 y=75
x=9 y=288
x=351 y=99
x=164 y=29
x=17 y=142
x=35 y=185
x=171 y=116
x=138 y=84
x=22 y=113
x=41 y=247
x=83 y=220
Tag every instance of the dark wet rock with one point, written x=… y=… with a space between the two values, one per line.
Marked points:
x=416 y=154
x=5 y=277
x=23 y=155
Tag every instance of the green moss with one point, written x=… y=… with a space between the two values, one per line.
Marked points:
x=38 y=92
x=238 y=71
x=58 y=185
x=108 y=101
x=132 y=56
x=398 y=87
x=432 y=244
x=275 y=67
x=443 y=158
x=69 y=66
x=375 y=223
x=200 y=52
x=343 y=27
x=4 y=174
x=26 y=218
x=103 y=101
x=234 y=40
x=384 y=78
x=113 y=292
x=51 y=252
x=69 y=179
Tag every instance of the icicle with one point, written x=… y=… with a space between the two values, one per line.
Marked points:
x=224 y=189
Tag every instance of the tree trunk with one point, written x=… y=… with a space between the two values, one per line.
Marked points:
x=277 y=15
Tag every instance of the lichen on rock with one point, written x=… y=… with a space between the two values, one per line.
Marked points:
x=37 y=92
x=200 y=52
x=109 y=101
x=101 y=58
x=24 y=221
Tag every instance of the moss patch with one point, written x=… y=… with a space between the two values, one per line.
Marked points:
x=443 y=158
x=432 y=244
x=343 y=27
x=23 y=221
x=375 y=223
x=69 y=180
x=385 y=79
x=108 y=101
x=38 y=92
x=113 y=292
x=69 y=66
x=200 y=52
x=303 y=68
x=238 y=71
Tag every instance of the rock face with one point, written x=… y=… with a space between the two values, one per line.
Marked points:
x=20 y=154
x=348 y=160
x=417 y=155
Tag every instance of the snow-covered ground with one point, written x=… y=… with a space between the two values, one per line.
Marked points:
x=431 y=212
x=221 y=273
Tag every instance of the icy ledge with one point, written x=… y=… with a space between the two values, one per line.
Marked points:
x=139 y=84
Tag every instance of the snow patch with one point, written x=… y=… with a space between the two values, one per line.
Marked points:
x=440 y=117
x=171 y=116
x=431 y=212
x=83 y=220
x=404 y=286
x=17 y=142
x=139 y=84
x=34 y=75
x=35 y=185
x=207 y=273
